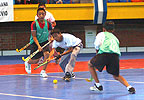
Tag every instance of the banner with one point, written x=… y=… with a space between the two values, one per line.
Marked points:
x=100 y=11
x=6 y=10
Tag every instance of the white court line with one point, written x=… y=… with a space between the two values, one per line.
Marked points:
x=61 y=77
x=77 y=78
x=87 y=78
x=26 y=96
x=118 y=81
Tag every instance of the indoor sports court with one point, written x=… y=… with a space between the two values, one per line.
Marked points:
x=16 y=84
x=83 y=19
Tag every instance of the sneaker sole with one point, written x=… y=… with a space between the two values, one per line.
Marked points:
x=94 y=89
x=43 y=77
x=131 y=92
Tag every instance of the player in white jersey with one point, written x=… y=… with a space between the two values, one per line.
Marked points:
x=49 y=17
x=72 y=46
x=108 y=52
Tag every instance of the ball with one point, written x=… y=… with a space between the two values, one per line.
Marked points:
x=55 y=81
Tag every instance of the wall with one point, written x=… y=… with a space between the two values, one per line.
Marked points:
x=16 y=35
x=73 y=18
x=13 y=35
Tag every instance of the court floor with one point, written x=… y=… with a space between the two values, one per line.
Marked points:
x=15 y=84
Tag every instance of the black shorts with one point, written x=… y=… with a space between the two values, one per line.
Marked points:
x=111 y=61
x=34 y=47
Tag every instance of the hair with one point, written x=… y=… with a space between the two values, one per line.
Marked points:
x=40 y=9
x=109 y=25
x=56 y=30
x=41 y=4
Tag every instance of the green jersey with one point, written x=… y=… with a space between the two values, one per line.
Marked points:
x=110 y=44
x=41 y=33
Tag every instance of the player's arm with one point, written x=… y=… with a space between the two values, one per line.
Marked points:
x=51 y=54
x=97 y=51
x=49 y=25
x=98 y=41
x=68 y=51
x=53 y=24
x=52 y=20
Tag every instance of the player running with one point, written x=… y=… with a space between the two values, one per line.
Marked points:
x=108 y=52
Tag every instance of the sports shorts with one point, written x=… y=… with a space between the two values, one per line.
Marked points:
x=110 y=60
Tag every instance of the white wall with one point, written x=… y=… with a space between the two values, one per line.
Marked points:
x=90 y=34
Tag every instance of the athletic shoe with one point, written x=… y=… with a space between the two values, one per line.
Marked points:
x=96 y=88
x=73 y=75
x=43 y=74
x=63 y=78
x=67 y=76
x=132 y=90
x=28 y=67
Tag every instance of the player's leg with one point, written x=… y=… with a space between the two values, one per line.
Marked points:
x=71 y=64
x=64 y=61
x=34 y=60
x=112 y=67
x=46 y=55
x=122 y=80
x=50 y=48
x=98 y=62
x=93 y=73
x=97 y=86
x=28 y=63
x=43 y=72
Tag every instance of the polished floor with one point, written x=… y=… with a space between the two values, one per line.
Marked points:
x=15 y=84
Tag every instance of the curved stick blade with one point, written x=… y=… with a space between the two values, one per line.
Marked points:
x=90 y=79
x=23 y=59
x=17 y=50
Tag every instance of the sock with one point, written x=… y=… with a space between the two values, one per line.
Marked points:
x=98 y=84
x=129 y=87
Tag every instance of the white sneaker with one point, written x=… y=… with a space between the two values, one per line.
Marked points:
x=73 y=75
x=43 y=74
x=28 y=67
x=96 y=88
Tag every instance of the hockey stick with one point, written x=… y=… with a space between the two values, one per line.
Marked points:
x=34 y=53
x=89 y=79
x=44 y=63
x=19 y=50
